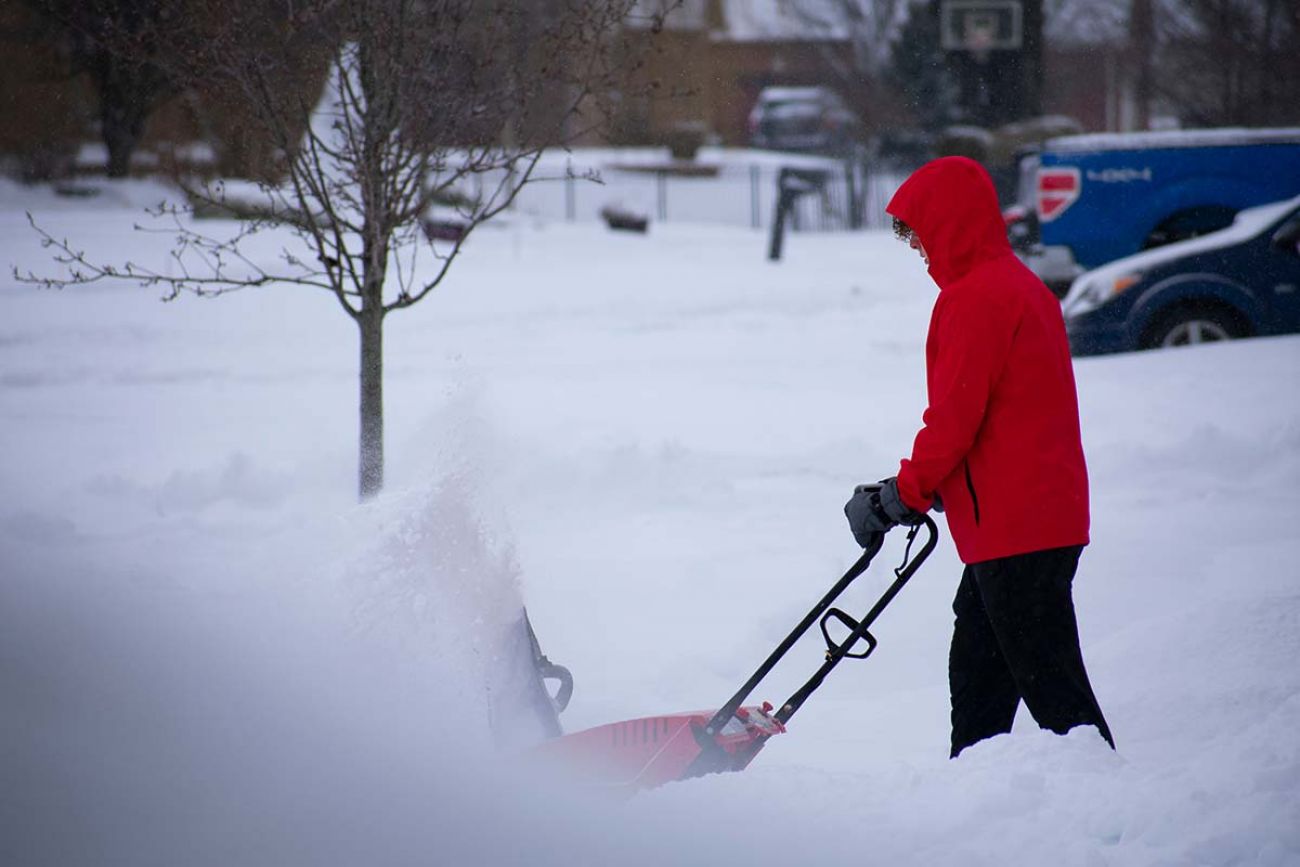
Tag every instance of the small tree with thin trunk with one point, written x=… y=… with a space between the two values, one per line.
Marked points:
x=434 y=117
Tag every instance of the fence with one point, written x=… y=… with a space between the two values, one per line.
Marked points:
x=729 y=193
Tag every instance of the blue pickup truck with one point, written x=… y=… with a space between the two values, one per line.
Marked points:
x=1100 y=197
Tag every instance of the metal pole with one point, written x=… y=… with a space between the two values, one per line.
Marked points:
x=851 y=193
x=755 y=217
x=661 y=180
x=570 y=201
x=784 y=203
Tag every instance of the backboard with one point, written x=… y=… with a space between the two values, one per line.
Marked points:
x=981 y=26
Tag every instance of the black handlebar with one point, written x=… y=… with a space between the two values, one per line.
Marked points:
x=822 y=613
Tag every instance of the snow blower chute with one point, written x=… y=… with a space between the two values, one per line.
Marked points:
x=647 y=752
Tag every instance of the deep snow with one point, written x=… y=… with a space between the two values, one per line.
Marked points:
x=210 y=654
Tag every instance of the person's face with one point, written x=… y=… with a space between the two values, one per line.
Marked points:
x=915 y=243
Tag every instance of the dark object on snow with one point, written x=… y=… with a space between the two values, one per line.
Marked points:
x=1016 y=638
x=686 y=138
x=643 y=753
x=790 y=185
x=523 y=710
x=443 y=229
x=547 y=670
x=624 y=221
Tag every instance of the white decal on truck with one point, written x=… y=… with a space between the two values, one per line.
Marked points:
x=1120 y=176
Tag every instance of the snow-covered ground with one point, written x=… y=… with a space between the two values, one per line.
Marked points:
x=209 y=654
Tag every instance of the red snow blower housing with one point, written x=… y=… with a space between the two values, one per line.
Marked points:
x=648 y=752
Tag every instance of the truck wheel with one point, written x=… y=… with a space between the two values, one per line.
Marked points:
x=1189 y=224
x=1197 y=323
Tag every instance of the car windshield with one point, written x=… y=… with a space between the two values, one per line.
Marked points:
x=792 y=107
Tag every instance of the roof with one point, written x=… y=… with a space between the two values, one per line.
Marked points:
x=1105 y=22
x=681 y=15
x=776 y=94
x=1086 y=22
x=748 y=20
x=1065 y=22
x=781 y=21
x=1178 y=138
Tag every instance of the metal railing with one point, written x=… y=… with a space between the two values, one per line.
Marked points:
x=731 y=194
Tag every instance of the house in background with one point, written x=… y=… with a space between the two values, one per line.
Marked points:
x=1093 y=65
x=1106 y=63
x=718 y=54
x=53 y=116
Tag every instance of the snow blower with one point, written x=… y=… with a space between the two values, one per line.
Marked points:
x=648 y=752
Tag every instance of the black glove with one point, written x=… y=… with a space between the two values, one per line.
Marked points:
x=874 y=509
x=894 y=507
x=867 y=519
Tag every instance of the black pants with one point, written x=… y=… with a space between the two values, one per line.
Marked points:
x=1016 y=638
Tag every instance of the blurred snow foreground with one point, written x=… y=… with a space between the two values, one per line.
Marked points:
x=441 y=581
x=209 y=654
x=241 y=713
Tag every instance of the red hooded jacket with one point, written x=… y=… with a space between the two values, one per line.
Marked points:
x=1000 y=443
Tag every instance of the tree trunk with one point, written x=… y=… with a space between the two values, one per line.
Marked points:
x=1032 y=58
x=371 y=324
x=124 y=107
x=1142 y=50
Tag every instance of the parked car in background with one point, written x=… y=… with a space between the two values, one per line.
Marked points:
x=1021 y=216
x=1103 y=196
x=810 y=119
x=1240 y=281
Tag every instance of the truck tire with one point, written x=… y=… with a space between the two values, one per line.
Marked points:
x=1202 y=322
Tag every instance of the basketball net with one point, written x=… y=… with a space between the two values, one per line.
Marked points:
x=979 y=40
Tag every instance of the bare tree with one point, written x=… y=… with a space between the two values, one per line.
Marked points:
x=1230 y=61
x=1141 y=52
x=121 y=45
x=434 y=117
x=870 y=26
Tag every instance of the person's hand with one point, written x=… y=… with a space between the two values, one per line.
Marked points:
x=894 y=507
x=867 y=518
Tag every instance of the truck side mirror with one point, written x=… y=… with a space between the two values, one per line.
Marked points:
x=1287 y=238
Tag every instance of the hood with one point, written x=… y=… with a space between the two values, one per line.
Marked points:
x=952 y=207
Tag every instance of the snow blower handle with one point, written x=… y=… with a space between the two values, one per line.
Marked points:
x=822 y=612
x=836 y=651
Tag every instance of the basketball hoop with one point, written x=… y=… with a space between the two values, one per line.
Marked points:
x=981 y=32
x=980 y=27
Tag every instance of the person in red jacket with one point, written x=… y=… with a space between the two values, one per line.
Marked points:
x=999 y=452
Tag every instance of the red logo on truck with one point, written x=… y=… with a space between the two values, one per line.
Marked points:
x=1058 y=188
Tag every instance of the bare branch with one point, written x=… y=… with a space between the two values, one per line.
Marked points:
x=82 y=270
